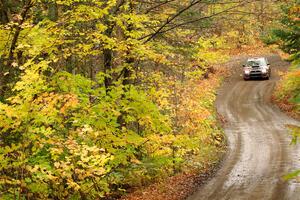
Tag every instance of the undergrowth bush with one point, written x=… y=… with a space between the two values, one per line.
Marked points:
x=62 y=138
x=287 y=92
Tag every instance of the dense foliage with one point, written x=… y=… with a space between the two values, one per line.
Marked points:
x=287 y=36
x=100 y=96
x=287 y=93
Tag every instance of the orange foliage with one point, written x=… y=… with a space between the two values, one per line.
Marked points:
x=51 y=101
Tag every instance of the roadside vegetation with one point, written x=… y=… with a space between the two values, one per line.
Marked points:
x=99 y=97
x=287 y=93
x=286 y=36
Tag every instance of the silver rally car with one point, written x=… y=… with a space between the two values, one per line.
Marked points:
x=256 y=68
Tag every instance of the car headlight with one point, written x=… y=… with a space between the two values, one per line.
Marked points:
x=247 y=71
x=264 y=70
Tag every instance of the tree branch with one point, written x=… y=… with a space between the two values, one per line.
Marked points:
x=160 y=29
x=151 y=36
x=199 y=19
x=23 y=16
x=158 y=5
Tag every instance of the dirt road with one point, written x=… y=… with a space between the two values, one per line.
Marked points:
x=259 y=144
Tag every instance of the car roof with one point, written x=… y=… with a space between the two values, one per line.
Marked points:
x=257 y=58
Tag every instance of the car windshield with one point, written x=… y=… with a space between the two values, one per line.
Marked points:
x=258 y=62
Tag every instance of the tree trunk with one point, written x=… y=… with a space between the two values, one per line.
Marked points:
x=4 y=12
x=127 y=70
x=53 y=11
x=107 y=52
x=107 y=60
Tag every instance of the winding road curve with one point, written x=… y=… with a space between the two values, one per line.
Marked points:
x=259 y=151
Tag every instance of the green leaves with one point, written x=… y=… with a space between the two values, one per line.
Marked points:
x=91 y=108
x=286 y=35
x=292 y=175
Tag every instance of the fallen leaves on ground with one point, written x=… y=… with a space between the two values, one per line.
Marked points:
x=178 y=187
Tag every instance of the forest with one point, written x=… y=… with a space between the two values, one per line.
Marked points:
x=100 y=96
